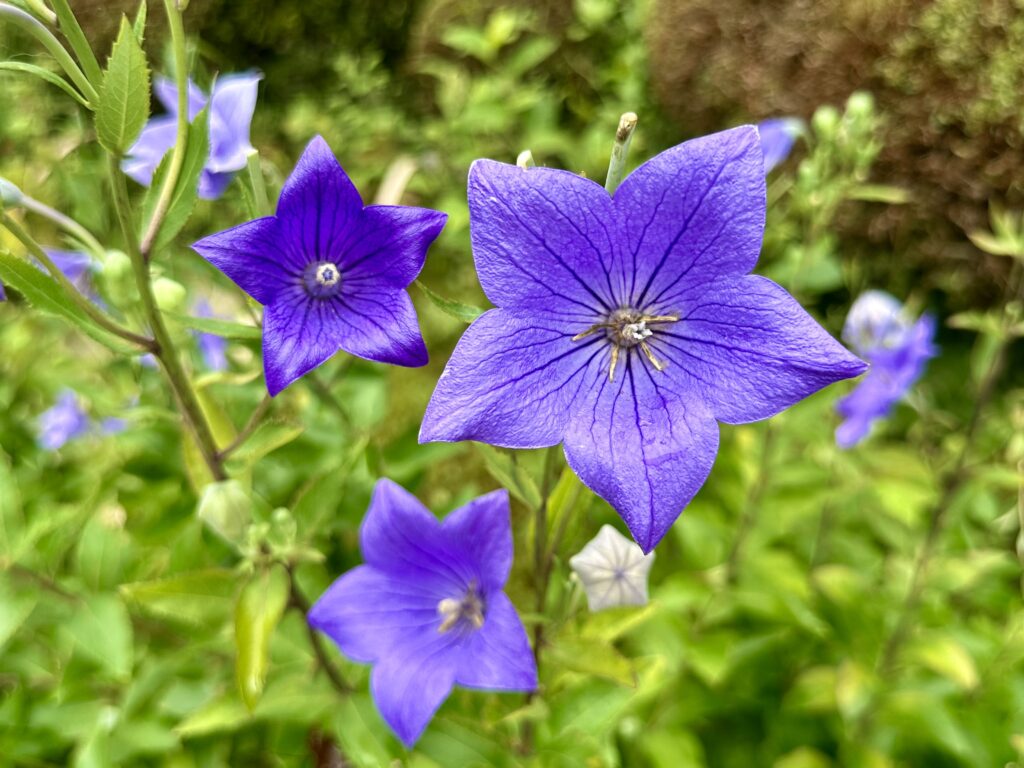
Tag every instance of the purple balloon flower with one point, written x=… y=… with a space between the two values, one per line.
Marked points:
x=627 y=326
x=331 y=273
x=63 y=422
x=777 y=137
x=232 y=103
x=213 y=348
x=427 y=609
x=898 y=349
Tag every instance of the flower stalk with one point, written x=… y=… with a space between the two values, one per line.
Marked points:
x=620 y=151
x=69 y=225
x=68 y=24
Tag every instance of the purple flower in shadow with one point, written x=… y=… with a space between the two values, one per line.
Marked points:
x=898 y=349
x=331 y=273
x=63 y=422
x=777 y=137
x=213 y=348
x=427 y=609
x=232 y=103
x=628 y=326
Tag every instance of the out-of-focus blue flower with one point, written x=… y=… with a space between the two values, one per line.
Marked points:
x=898 y=348
x=113 y=425
x=3 y=294
x=77 y=267
x=232 y=104
x=331 y=272
x=213 y=348
x=63 y=422
x=428 y=609
x=777 y=137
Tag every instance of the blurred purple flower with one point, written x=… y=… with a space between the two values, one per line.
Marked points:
x=77 y=267
x=213 y=348
x=3 y=294
x=232 y=104
x=331 y=273
x=898 y=349
x=427 y=609
x=627 y=325
x=63 y=422
x=777 y=137
x=113 y=425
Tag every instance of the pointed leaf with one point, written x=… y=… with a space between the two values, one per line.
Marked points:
x=259 y=608
x=123 y=106
x=44 y=74
x=464 y=312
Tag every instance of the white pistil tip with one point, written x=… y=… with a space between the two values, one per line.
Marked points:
x=637 y=331
x=327 y=274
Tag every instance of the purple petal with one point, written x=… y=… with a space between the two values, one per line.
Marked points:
x=167 y=94
x=643 y=442
x=777 y=137
x=74 y=264
x=255 y=256
x=379 y=325
x=231 y=108
x=692 y=214
x=212 y=185
x=389 y=245
x=497 y=657
x=368 y=613
x=63 y=422
x=299 y=334
x=513 y=381
x=409 y=686
x=544 y=240
x=401 y=538
x=482 y=530
x=145 y=154
x=319 y=206
x=750 y=350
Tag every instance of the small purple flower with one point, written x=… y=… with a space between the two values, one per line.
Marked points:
x=427 y=609
x=628 y=326
x=63 y=422
x=898 y=349
x=77 y=267
x=232 y=104
x=213 y=348
x=777 y=137
x=331 y=273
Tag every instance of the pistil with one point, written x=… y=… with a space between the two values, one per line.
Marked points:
x=627 y=328
x=468 y=610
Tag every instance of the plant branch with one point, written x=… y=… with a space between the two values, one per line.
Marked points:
x=68 y=24
x=165 y=350
x=163 y=202
x=94 y=313
x=316 y=641
x=66 y=223
x=254 y=421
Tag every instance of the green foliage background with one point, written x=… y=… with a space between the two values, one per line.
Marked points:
x=774 y=598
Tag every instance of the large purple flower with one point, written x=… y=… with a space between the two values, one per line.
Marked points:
x=331 y=273
x=897 y=347
x=427 y=608
x=627 y=325
x=232 y=103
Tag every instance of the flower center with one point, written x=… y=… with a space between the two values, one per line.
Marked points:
x=466 y=611
x=626 y=329
x=322 y=278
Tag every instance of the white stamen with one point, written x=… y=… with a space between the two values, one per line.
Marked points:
x=636 y=331
x=327 y=274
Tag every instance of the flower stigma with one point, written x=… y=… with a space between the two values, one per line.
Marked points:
x=626 y=328
x=322 y=278
x=467 y=611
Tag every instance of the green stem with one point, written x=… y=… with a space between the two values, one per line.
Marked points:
x=28 y=23
x=66 y=223
x=620 y=151
x=254 y=421
x=165 y=350
x=95 y=313
x=302 y=605
x=163 y=202
x=68 y=24
x=38 y=7
x=259 y=185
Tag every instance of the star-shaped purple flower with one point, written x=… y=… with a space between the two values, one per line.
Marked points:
x=63 y=422
x=777 y=137
x=627 y=326
x=331 y=273
x=427 y=609
x=898 y=349
x=232 y=103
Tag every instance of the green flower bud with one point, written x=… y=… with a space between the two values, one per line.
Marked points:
x=170 y=294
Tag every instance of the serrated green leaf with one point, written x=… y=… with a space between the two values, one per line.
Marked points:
x=259 y=608
x=44 y=74
x=186 y=190
x=49 y=296
x=464 y=312
x=123 y=106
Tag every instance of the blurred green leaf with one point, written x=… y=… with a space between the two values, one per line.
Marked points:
x=123 y=106
x=222 y=328
x=504 y=468
x=200 y=598
x=464 y=312
x=946 y=657
x=103 y=632
x=226 y=508
x=44 y=74
x=15 y=606
x=592 y=657
x=268 y=437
